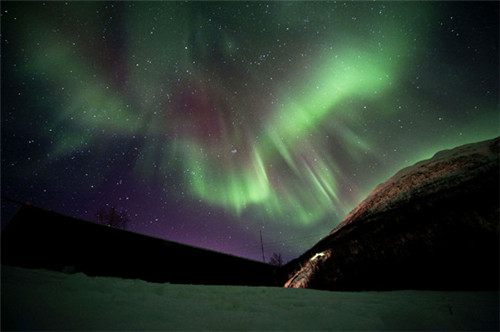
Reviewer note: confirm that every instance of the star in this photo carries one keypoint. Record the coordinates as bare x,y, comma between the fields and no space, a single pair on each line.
196,116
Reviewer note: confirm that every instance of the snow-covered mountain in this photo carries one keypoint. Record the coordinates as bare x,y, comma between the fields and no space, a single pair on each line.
433,225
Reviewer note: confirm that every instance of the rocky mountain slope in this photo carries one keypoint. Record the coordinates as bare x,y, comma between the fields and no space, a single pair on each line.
434,225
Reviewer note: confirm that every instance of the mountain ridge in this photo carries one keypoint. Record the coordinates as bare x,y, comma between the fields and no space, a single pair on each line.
431,211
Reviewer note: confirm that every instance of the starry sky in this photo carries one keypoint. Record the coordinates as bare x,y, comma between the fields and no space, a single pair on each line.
210,123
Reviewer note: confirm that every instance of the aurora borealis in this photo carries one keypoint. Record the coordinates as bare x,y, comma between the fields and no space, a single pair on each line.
209,122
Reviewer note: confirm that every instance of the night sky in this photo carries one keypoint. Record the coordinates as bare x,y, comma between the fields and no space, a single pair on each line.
208,123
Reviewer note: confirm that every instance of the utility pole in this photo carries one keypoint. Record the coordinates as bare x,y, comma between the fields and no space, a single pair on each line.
262,246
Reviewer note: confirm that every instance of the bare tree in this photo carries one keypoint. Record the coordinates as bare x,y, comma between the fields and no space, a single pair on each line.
111,217
276,259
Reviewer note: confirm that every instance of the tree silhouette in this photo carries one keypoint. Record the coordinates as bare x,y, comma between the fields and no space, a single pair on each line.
276,259
111,217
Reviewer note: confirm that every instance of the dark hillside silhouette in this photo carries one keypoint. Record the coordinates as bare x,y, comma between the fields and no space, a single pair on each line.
37,238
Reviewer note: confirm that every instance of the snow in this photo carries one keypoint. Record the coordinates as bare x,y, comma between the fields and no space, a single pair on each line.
48,300
446,169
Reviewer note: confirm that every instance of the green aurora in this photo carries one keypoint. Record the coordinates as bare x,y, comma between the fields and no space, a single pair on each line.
275,110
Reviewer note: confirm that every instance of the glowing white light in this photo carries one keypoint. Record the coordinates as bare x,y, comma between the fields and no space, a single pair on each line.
319,254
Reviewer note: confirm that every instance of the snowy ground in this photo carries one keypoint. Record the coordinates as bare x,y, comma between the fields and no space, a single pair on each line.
46,300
